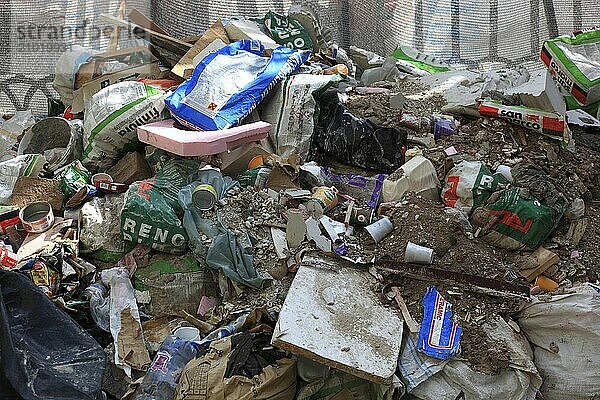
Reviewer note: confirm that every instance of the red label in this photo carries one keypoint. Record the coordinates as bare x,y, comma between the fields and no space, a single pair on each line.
512,220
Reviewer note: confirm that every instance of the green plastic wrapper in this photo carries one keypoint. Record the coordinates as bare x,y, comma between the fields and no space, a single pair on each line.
74,177
417,63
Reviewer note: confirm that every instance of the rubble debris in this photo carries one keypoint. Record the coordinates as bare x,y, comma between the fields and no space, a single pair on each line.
237,257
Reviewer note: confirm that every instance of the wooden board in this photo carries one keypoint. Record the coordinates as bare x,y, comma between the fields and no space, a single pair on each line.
334,317
537,262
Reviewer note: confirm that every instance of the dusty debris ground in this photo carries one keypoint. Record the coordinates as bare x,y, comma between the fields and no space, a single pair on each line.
574,171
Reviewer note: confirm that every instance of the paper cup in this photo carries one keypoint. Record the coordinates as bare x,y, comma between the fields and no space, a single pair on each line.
380,229
187,333
418,254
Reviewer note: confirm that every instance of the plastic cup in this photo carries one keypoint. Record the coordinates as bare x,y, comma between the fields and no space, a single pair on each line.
187,333
380,229
418,254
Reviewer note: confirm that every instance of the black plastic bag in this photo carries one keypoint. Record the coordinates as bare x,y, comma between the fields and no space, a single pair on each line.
355,140
44,354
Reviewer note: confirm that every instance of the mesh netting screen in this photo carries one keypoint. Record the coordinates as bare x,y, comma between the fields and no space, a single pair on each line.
472,33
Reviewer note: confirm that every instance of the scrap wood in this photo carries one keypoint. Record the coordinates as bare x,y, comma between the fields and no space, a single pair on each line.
537,263
410,322
172,44
576,231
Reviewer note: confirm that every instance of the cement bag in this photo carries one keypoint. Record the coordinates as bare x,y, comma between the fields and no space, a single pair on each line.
58,139
417,175
174,283
565,333
519,220
152,214
338,385
574,61
240,367
111,119
101,236
11,129
229,83
291,112
66,68
11,170
470,184
428,378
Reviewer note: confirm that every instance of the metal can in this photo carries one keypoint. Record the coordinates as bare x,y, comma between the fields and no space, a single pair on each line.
362,216
111,187
322,200
101,177
37,217
204,197
257,177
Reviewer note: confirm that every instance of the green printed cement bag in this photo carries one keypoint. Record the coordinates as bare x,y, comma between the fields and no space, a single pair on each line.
286,31
470,184
174,283
574,61
152,214
520,220
111,119
417,63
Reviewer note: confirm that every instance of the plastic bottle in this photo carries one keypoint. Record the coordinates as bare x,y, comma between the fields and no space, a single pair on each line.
163,375
98,297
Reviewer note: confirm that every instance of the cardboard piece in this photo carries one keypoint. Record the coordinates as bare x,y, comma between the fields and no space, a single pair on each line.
35,242
90,79
165,136
131,168
351,331
235,161
29,189
537,263
186,64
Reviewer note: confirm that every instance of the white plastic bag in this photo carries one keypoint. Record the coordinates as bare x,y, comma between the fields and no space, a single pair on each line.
427,378
565,332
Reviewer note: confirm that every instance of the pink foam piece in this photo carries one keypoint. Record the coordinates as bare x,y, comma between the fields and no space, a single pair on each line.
165,136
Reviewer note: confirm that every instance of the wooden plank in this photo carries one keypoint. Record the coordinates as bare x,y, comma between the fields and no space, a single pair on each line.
167,42
140,19
335,318
576,231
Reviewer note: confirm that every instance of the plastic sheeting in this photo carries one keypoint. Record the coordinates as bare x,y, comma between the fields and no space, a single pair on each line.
44,354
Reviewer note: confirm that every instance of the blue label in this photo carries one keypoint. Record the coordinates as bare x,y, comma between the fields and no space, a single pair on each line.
440,335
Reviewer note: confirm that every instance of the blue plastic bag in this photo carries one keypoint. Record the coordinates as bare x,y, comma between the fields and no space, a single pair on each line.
230,82
439,336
